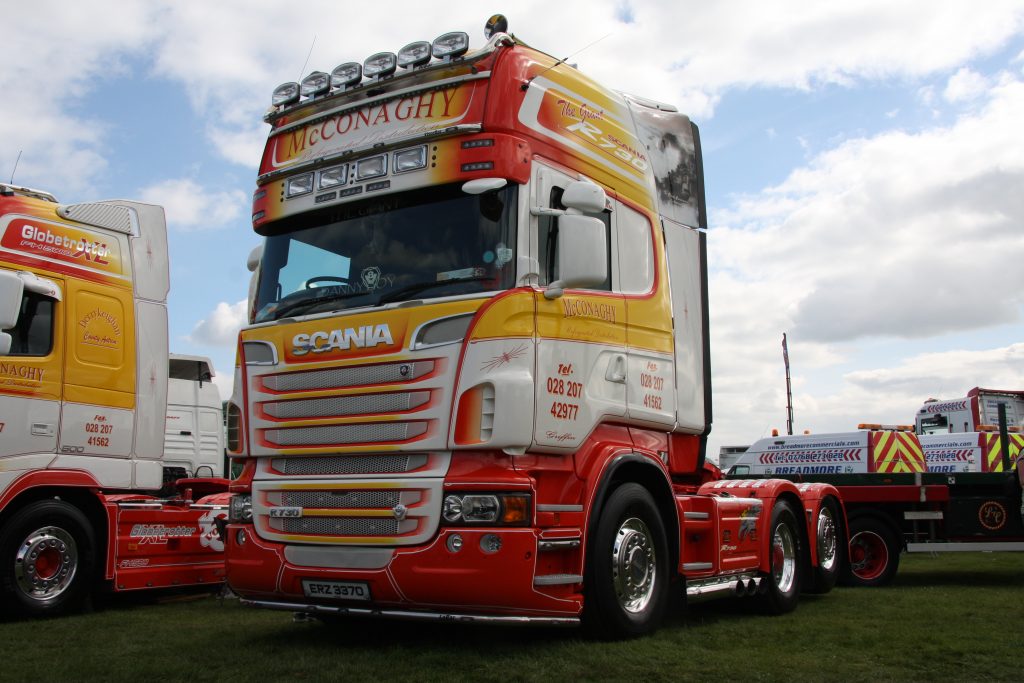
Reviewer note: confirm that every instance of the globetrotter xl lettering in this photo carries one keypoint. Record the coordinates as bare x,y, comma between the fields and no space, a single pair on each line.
90,251
361,337
159,533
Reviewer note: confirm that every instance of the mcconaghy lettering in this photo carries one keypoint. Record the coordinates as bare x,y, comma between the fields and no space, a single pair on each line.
583,308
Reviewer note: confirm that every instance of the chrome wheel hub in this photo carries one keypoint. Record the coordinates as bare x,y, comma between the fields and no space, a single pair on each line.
783,558
45,563
633,565
827,539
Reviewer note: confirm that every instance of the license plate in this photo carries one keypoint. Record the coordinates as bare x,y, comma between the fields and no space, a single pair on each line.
336,590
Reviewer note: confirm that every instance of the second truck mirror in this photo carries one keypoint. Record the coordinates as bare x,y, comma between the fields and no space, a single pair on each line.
582,254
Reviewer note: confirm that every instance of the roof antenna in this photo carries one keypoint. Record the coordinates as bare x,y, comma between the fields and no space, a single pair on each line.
308,55
526,84
15,169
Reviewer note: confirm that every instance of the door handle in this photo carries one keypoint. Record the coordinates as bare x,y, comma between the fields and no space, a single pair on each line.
43,429
616,371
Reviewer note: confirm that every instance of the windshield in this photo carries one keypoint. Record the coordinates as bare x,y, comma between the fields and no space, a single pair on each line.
426,243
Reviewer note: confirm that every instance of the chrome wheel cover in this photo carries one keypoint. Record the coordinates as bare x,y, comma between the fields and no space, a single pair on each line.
45,564
827,539
783,557
634,565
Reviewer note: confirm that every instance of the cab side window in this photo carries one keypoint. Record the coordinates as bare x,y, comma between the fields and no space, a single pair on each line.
33,334
547,234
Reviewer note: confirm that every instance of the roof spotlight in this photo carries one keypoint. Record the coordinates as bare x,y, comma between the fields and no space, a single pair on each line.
380,65
451,45
285,94
346,75
414,54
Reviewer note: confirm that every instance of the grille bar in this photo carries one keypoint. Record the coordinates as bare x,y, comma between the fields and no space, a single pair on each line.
337,378
330,435
349,464
342,406
342,500
347,526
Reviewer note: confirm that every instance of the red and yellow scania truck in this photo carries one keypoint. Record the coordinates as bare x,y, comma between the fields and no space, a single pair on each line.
92,492
475,384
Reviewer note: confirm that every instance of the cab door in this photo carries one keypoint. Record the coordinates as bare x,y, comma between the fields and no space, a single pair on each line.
581,336
30,373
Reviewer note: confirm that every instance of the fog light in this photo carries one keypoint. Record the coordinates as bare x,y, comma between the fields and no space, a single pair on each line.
454,543
490,543
411,159
374,167
334,176
299,185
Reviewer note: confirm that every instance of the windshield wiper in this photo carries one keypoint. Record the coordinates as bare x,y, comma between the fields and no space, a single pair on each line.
306,304
417,287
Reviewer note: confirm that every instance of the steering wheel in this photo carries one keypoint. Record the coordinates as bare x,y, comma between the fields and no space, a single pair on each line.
325,278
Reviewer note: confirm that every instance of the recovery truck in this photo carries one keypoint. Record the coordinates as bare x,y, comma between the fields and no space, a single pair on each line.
904,492
475,381
101,485
979,409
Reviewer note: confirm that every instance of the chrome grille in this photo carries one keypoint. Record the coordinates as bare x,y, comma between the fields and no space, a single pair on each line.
346,526
345,434
384,373
344,500
340,406
350,464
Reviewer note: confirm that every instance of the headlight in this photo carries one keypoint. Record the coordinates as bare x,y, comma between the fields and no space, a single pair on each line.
240,508
299,185
495,509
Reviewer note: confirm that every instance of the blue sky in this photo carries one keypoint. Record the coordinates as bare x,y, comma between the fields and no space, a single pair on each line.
863,165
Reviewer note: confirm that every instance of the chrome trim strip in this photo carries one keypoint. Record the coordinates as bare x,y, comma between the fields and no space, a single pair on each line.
562,544
548,507
557,579
696,515
449,617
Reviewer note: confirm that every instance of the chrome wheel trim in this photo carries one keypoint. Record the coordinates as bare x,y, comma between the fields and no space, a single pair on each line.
45,564
828,539
783,557
634,565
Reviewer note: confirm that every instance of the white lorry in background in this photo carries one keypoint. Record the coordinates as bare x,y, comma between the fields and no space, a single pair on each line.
194,437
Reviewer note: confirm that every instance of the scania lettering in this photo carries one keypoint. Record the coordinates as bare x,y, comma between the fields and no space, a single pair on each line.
475,382
109,446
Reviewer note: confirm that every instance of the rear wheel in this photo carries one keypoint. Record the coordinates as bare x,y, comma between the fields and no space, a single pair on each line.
626,580
874,553
47,554
783,579
831,549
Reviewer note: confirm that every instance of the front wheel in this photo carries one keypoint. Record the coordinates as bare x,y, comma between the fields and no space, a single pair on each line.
783,578
47,553
626,582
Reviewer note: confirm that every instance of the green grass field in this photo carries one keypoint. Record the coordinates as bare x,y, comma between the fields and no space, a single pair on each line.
947,618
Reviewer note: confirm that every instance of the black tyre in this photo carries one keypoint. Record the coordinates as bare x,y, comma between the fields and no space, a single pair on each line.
830,543
785,553
874,553
627,574
47,558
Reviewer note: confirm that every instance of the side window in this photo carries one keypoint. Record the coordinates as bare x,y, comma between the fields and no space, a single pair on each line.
33,335
547,235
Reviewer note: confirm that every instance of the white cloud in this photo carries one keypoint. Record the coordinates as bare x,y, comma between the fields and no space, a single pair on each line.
190,206
965,85
220,327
